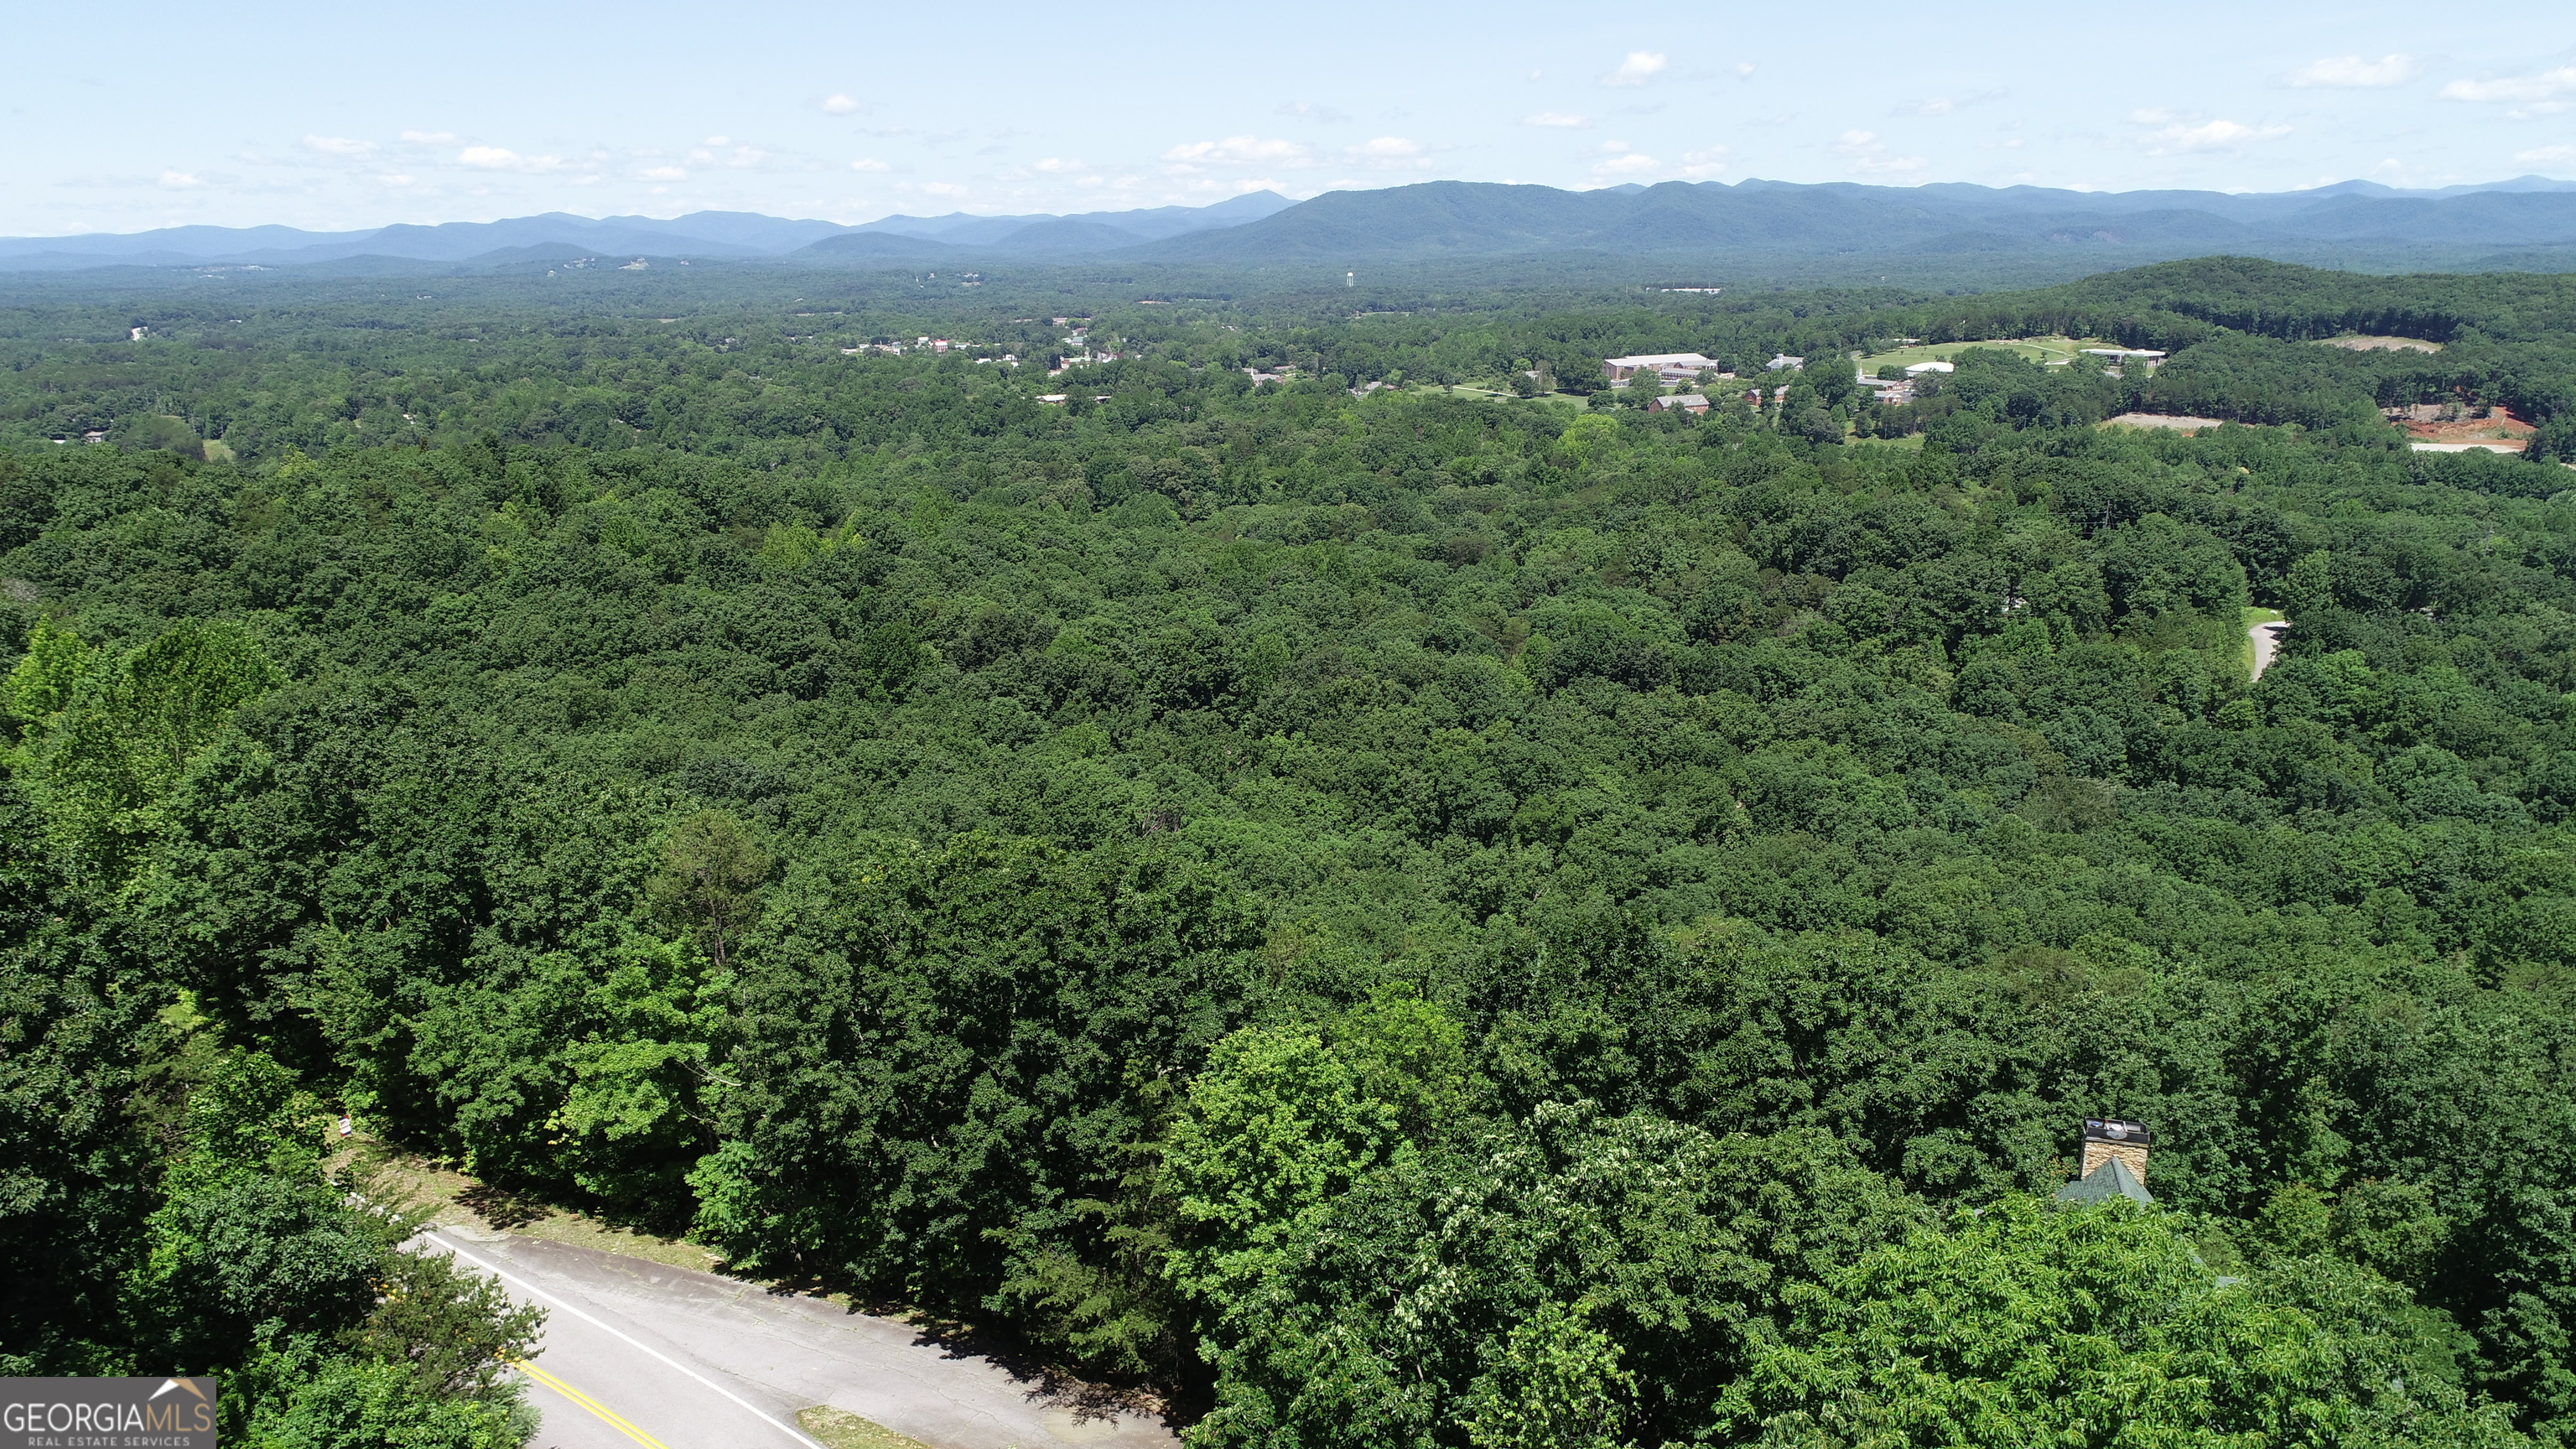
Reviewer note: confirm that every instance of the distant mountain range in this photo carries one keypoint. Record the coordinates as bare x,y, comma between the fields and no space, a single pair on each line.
1466,219
712,235
1455,219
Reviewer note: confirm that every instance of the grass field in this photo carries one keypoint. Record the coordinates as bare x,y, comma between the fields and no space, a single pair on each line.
2036,349
1565,399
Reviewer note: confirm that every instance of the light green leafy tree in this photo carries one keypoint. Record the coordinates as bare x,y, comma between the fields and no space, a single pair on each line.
1558,1386
2033,1324
1275,1130
106,737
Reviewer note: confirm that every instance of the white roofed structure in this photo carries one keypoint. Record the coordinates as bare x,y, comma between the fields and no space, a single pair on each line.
1620,369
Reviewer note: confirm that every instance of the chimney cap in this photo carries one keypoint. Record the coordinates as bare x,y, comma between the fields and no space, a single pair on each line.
2113,1129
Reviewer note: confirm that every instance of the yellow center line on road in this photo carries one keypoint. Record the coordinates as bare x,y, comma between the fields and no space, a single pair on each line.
607,1415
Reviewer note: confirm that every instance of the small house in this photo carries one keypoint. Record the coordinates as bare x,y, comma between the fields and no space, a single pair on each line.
2114,1163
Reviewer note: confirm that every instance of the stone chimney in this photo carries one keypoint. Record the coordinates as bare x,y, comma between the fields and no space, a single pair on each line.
2108,1139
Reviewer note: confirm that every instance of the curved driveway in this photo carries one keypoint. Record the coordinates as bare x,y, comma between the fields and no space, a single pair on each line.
643,1356
2267,640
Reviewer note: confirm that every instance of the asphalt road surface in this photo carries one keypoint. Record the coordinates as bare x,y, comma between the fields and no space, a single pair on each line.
640,1356
2267,642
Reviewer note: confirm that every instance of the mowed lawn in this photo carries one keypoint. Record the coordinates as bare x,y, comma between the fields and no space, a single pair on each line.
2035,349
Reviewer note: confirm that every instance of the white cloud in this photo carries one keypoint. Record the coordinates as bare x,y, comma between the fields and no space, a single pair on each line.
339,145
395,180
2172,137
663,173
842,105
179,181
1057,165
429,138
2353,71
1937,106
2547,154
869,163
1702,164
2535,110
1239,151
2514,88
1637,69
496,158
1390,153
1618,158
1744,68
943,188
717,141
1869,156
1554,118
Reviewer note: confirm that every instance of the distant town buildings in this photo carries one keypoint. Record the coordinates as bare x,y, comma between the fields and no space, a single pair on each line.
1688,402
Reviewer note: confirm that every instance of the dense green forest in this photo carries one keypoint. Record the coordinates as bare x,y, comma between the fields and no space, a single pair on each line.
1391,917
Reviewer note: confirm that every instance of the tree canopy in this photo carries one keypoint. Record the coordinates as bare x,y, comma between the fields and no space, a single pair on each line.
1390,916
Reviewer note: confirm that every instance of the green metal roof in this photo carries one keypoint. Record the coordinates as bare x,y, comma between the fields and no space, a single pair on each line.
2112,1179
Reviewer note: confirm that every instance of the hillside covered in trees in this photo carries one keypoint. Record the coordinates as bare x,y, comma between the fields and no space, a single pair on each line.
1390,917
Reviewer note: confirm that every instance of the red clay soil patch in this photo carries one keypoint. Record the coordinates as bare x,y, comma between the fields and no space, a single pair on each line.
2499,426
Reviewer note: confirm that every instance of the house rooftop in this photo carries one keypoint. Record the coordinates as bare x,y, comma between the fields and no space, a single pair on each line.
2112,1179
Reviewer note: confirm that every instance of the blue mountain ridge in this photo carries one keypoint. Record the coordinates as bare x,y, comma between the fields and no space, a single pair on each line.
707,234
1441,220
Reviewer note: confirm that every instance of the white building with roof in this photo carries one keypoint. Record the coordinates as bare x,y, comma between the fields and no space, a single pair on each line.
1662,364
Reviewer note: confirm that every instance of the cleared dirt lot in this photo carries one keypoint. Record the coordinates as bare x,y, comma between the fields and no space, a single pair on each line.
2359,343
2163,420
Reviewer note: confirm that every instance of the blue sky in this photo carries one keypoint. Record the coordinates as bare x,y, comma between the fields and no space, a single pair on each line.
338,116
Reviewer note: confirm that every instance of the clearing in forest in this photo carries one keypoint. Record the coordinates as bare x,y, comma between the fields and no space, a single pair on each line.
2263,637
2033,349
2183,421
2358,342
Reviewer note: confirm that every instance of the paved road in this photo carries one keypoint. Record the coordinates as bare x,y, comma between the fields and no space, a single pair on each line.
2267,639
638,1354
